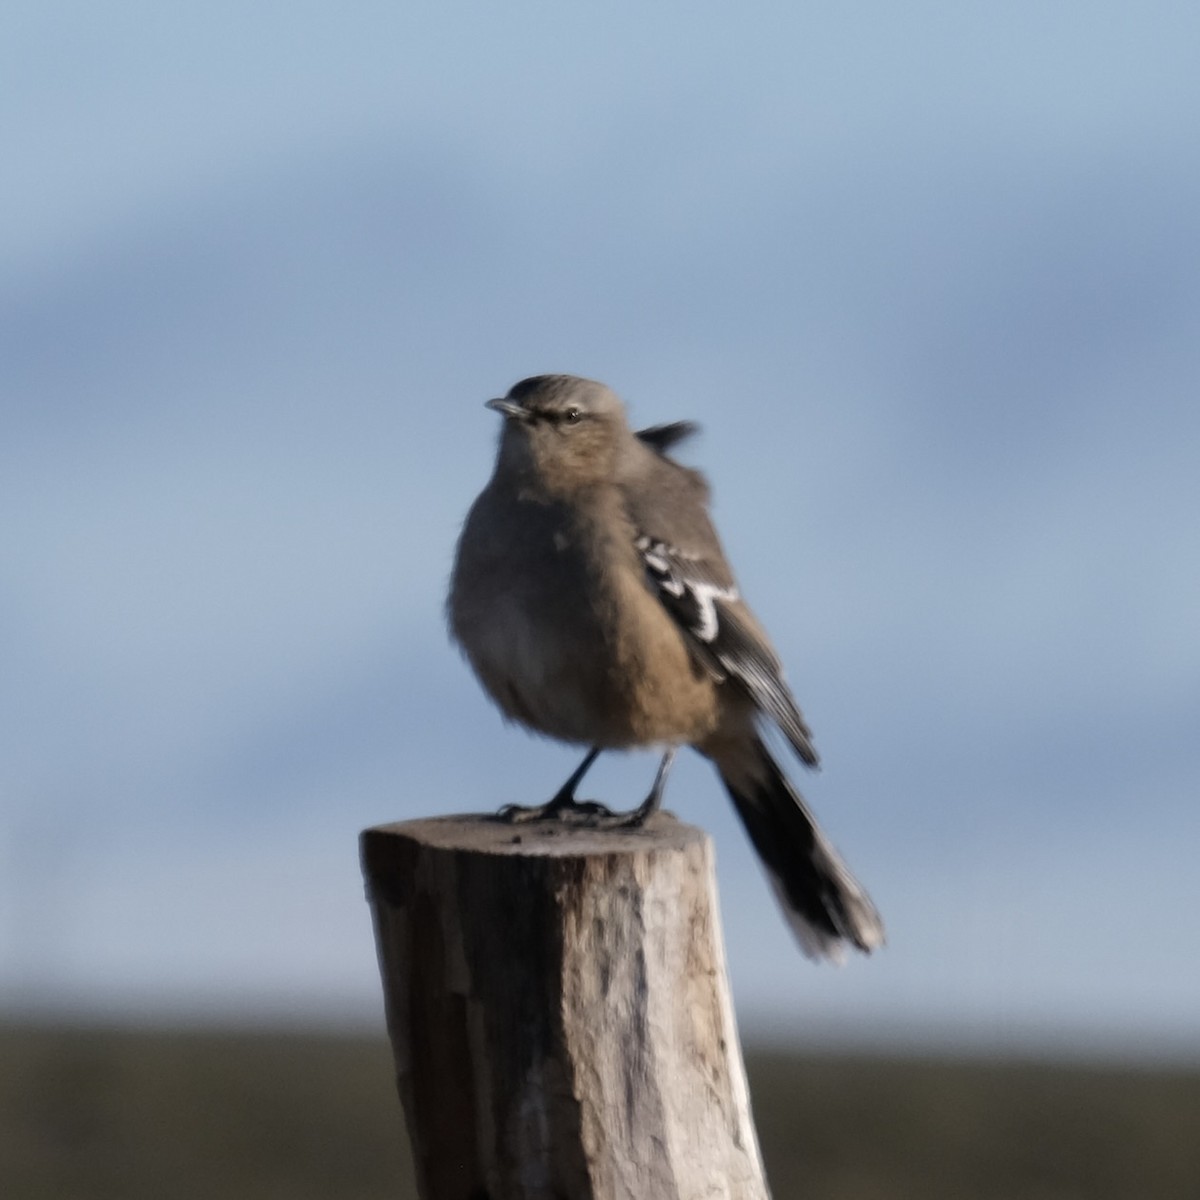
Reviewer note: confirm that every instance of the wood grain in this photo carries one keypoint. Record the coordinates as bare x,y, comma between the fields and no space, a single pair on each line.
559,1011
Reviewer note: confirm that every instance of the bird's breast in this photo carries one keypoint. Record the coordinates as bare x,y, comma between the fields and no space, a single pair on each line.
568,640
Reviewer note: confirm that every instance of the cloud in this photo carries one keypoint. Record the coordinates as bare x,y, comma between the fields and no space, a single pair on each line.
946,372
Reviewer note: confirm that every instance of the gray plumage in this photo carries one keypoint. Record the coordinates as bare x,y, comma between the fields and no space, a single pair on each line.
592,598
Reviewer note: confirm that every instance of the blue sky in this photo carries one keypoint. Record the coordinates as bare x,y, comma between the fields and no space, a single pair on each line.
930,280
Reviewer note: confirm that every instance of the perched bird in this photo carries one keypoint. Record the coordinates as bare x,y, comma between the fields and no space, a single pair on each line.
592,598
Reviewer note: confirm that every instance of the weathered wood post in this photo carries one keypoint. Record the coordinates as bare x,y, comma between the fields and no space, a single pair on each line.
559,1011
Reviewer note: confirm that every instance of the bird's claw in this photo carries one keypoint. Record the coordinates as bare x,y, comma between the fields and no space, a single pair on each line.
580,814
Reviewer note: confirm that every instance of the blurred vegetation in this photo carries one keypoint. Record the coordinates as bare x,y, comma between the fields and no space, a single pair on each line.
108,1115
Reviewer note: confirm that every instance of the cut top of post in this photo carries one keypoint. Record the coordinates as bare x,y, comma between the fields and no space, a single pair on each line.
491,835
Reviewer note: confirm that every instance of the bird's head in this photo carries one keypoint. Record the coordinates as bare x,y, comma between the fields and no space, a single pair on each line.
564,431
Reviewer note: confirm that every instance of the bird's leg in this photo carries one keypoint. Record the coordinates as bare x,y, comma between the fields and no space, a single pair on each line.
637,817
562,804
565,796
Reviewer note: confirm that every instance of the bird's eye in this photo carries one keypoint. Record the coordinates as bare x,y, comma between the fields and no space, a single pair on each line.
573,415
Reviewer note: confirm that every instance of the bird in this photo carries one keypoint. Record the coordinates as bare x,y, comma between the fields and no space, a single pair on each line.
591,597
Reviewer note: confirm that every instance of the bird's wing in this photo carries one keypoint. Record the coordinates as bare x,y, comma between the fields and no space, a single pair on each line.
687,571
662,438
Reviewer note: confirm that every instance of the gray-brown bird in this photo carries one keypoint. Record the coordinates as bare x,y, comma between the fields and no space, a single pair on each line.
592,598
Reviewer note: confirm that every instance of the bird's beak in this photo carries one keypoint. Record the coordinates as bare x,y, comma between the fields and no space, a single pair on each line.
506,408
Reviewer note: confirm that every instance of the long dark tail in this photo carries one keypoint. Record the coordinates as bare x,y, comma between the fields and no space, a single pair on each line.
825,905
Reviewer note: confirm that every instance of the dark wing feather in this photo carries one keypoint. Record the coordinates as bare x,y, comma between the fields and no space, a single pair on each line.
662,438
703,599
743,655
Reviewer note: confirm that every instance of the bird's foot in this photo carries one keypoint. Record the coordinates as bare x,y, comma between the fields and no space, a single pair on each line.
589,814
635,818
578,814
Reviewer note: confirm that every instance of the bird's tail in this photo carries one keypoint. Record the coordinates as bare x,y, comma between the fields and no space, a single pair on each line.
825,905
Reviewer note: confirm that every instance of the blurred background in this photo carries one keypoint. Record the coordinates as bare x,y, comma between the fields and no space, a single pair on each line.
929,277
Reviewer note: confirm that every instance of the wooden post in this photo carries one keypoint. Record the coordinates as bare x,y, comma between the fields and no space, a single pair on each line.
559,1011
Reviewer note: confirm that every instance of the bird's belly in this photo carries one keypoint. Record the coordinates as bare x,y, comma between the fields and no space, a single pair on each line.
614,685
